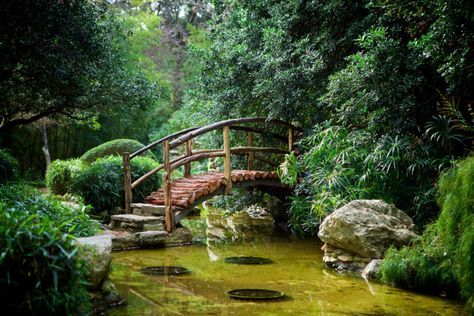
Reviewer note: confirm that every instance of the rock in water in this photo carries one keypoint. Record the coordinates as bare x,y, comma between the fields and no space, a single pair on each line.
372,269
364,229
97,252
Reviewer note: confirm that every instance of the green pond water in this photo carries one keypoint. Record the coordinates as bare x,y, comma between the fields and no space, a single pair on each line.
298,271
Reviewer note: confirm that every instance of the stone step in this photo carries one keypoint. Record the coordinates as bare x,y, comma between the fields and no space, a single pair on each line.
145,209
134,223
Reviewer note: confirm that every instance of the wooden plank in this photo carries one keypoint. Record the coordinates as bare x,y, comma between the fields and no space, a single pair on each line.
227,166
127,178
187,166
250,154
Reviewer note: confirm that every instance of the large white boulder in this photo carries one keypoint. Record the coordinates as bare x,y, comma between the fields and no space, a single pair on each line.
363,230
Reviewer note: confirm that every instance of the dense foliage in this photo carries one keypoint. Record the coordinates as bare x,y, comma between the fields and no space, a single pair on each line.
61,58
40,272
383,89
442,261
9,167
101,183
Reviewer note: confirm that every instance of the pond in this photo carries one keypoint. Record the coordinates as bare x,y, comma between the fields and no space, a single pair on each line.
297,270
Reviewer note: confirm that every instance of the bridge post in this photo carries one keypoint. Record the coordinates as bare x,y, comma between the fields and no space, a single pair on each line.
127,178
227,167
167,186
250,154
290,139
189,152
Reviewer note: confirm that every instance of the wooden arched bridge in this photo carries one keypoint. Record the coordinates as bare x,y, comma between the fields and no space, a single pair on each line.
180,195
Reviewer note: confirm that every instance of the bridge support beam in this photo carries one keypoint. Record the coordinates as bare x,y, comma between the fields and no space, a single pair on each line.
127,178
167,187
227,167
189,152
250,154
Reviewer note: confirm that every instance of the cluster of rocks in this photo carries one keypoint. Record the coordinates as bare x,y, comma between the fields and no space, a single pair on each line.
124,240
96,251
144,228
357,235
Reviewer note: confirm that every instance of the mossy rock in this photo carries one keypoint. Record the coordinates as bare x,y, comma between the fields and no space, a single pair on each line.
114,147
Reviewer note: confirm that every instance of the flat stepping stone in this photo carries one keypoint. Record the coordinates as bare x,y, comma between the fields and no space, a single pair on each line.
134,223
146,209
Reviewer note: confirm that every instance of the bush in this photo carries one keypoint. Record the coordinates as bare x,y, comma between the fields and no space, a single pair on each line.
101,183
61,174
9,167
442,260
40,271
113,147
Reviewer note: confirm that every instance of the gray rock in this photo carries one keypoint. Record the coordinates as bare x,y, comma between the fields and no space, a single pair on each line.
372,269
367,228
152,239
148,209
153,227
97,252
125,241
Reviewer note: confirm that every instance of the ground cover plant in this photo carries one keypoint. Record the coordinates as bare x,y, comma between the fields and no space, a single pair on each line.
441,260
40,271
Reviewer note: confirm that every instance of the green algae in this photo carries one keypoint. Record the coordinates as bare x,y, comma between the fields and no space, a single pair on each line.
298,271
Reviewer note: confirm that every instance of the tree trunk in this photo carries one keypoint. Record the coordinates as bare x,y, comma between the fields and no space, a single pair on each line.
45,148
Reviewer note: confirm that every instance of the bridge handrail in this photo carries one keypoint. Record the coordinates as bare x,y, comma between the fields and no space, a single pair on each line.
205,129
186,136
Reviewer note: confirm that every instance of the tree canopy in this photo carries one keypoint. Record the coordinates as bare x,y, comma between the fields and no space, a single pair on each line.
61,58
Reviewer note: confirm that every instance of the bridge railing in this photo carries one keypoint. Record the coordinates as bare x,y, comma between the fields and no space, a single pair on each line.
185,138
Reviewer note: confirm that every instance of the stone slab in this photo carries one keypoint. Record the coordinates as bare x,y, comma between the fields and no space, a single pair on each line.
132,218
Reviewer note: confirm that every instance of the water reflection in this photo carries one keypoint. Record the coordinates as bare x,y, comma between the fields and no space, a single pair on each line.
297,271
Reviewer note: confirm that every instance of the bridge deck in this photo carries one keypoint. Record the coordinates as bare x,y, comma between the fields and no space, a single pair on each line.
185,191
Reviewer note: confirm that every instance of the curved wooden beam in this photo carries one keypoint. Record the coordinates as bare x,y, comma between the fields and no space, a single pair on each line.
205,129
196,157
161,140
152,172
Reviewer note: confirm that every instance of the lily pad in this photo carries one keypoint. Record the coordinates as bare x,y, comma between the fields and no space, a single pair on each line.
248,260
255,294
165,270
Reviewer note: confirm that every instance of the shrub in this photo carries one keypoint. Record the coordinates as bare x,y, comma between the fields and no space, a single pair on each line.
9,167
442,260
40,272
113,147
61,174
101,183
